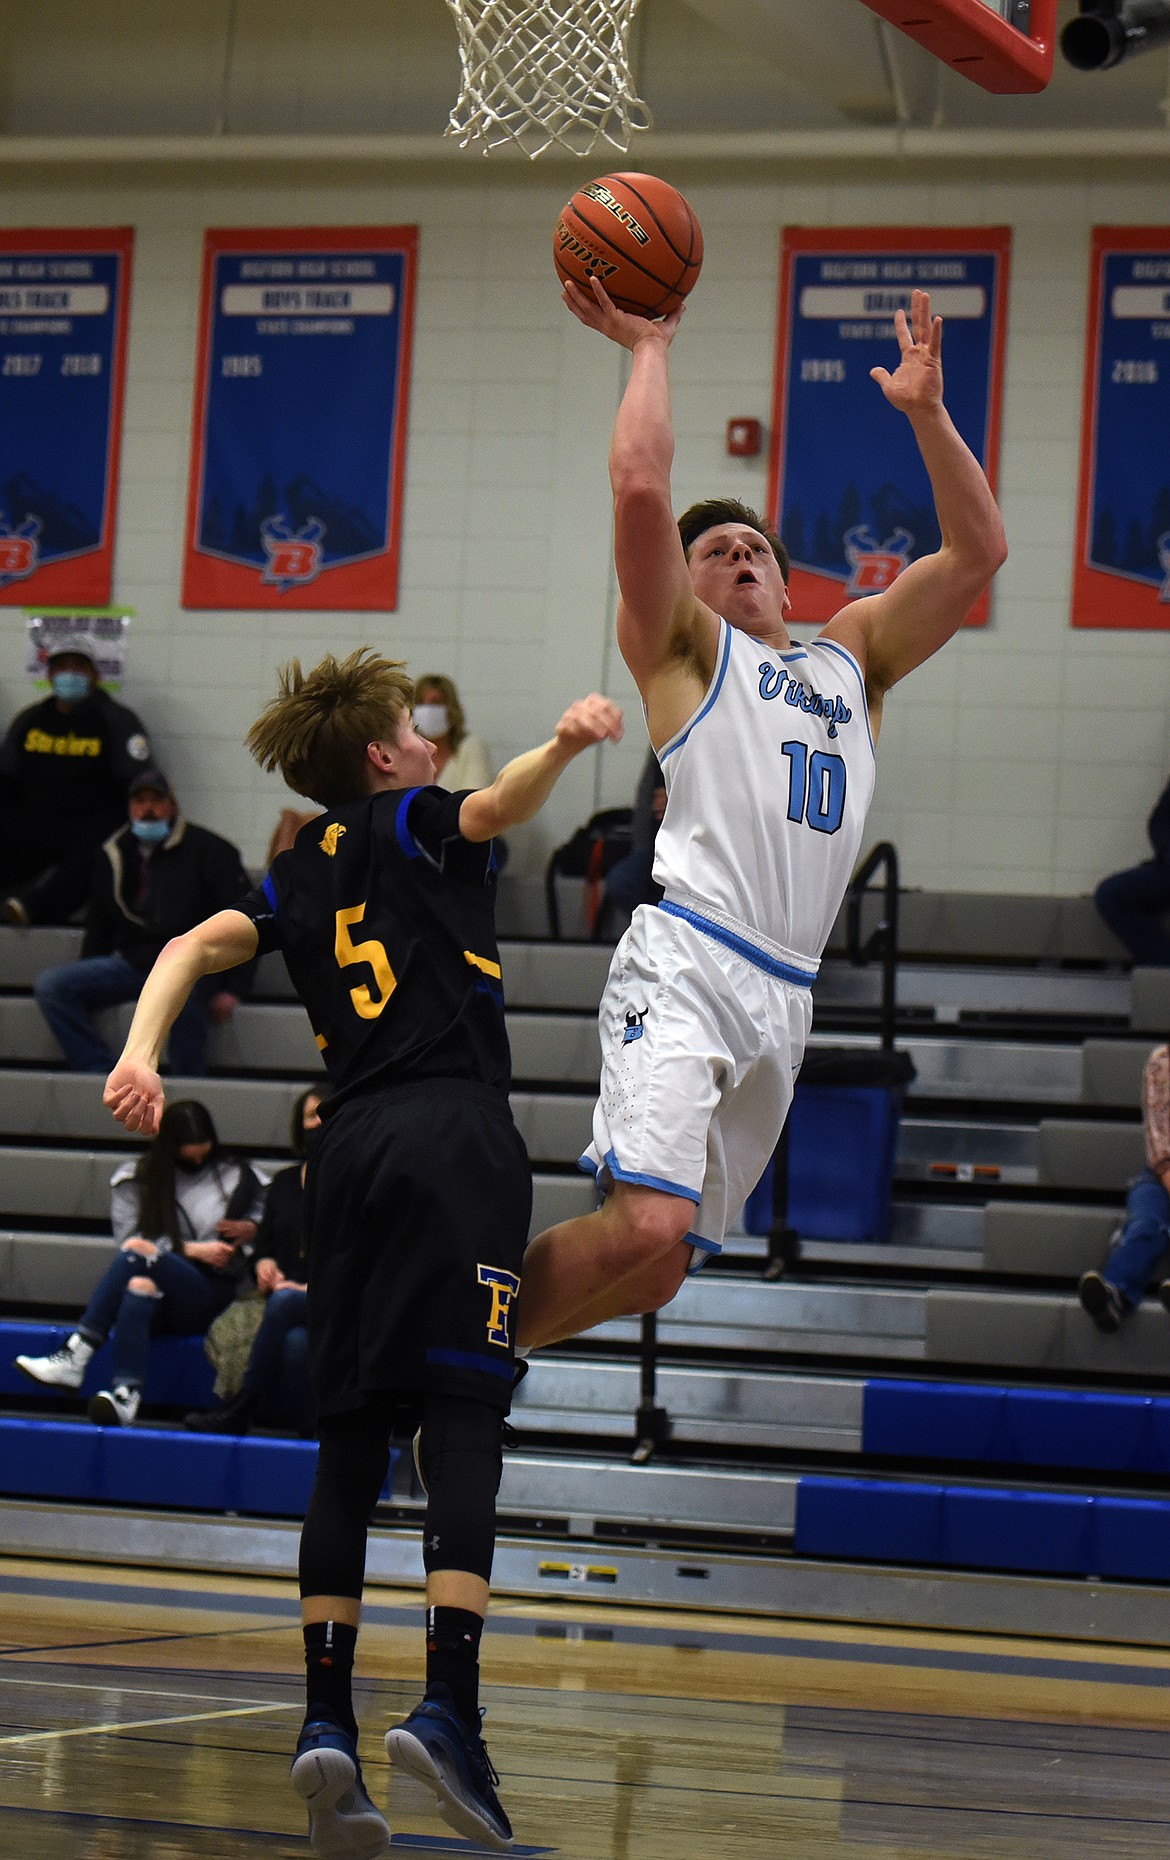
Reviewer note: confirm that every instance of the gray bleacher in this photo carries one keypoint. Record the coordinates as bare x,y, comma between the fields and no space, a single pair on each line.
1052,1117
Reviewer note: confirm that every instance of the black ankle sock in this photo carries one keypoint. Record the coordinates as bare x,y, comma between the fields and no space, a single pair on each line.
329,1651
453,1658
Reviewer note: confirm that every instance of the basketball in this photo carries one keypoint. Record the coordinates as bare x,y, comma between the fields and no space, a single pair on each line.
637,235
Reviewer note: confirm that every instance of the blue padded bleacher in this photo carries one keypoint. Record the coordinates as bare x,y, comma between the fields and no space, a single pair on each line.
179,1375
975,1527
155,1467
1099,1431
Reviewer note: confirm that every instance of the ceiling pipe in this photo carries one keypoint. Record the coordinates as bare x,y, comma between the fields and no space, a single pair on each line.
765,146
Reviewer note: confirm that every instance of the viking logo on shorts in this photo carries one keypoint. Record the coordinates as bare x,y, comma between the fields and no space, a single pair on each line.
293,557
1164,559
503,1287
876,566
634,1028
19,550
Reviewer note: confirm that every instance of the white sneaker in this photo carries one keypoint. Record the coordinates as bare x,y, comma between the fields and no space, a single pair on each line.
64,1369
115,1407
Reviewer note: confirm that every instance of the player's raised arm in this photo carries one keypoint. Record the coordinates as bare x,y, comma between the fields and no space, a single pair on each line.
893,632
659,617
134,1092
523,785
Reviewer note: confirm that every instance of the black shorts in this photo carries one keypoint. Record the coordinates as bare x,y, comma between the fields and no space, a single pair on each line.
417,1206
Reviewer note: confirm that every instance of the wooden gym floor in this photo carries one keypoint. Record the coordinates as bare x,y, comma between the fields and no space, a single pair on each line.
151,1716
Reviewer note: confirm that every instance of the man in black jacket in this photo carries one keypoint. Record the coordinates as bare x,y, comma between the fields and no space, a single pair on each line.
153,879
1134,903
65,768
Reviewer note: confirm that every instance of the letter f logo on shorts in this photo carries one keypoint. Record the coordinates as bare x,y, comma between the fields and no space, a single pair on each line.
503,1287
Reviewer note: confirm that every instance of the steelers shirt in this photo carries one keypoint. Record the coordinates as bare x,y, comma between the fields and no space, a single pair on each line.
385,916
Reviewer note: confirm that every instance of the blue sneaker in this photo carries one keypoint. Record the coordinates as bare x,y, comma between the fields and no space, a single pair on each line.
436,1746
326,1774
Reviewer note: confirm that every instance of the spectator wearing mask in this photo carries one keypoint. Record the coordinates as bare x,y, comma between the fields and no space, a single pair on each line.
461,761
185,1218
65,768
282,1274
156,877
1134,903
1141,1242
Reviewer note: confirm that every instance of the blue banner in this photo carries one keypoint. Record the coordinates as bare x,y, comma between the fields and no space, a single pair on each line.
64,298
849,493
300,429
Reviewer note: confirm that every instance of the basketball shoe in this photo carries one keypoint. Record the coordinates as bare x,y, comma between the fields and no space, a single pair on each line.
116,1407
326,1774
64,1369
434,1745
1103,1302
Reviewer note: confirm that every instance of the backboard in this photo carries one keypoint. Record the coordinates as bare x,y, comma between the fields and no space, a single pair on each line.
1002,45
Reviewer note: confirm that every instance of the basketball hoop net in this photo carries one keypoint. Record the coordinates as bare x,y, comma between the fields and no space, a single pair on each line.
540,72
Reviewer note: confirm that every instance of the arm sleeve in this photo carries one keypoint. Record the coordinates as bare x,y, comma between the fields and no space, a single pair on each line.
1156,1109
262,906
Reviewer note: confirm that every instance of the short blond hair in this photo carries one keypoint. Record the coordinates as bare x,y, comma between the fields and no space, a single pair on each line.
317,730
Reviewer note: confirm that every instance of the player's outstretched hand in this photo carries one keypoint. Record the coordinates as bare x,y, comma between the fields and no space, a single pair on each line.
590,720
917,383
134,1095
596,311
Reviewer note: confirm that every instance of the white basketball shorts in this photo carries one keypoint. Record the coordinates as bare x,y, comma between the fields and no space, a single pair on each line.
700,1048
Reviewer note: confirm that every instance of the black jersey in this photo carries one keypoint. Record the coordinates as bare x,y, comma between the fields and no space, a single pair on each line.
385,915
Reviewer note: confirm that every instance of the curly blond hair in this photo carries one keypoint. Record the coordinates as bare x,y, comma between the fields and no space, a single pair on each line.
316,731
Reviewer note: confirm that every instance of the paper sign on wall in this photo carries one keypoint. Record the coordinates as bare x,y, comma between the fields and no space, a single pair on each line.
64,305
299,435
848,491
1122,572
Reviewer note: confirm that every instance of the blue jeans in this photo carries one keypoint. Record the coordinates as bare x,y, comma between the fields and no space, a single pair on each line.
69,995
1145,1236
286,1310
191,1299
1134,904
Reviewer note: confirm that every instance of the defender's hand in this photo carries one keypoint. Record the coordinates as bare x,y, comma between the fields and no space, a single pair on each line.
590,720
596,311
135,1097
917,383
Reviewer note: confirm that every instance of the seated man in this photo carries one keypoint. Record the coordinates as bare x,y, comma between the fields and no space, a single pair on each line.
65,767
1141,1242
156,877
1134,903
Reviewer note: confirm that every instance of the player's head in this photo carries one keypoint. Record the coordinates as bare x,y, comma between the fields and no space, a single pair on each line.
343,729
739,567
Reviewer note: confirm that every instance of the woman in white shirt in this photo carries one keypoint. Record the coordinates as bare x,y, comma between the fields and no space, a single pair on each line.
184,1215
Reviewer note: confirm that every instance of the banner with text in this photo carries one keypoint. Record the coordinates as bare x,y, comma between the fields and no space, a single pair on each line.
1122,572
848,491
64,307
299,436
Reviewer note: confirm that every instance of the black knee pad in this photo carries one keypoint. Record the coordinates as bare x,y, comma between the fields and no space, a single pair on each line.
461,1452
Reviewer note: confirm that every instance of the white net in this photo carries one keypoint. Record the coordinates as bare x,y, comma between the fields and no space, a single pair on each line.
540,74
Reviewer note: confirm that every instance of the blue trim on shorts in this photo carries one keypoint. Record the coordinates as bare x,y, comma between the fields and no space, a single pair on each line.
700,714
710,1249
406,839
468,1359
269,890
649,1181
831,645
784,972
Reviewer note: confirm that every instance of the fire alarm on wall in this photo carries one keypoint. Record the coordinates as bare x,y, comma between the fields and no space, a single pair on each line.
745,439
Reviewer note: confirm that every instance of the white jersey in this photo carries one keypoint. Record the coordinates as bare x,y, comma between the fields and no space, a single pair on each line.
768,785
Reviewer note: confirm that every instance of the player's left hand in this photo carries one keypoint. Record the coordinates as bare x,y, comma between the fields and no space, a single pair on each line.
134,1095
917,383
592,719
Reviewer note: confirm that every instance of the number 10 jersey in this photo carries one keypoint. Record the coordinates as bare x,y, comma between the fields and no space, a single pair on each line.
768,785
